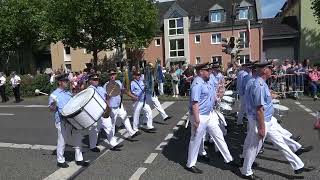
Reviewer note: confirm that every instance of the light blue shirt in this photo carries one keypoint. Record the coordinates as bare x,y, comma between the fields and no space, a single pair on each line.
202,92
62,98
100,90
214,81
115,102
249,105
220,76
137,89
260,96
240,77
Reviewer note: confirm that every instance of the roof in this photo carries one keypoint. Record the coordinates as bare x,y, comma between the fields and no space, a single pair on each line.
278,27
201,9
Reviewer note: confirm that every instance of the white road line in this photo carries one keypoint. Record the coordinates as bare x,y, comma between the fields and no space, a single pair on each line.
180,123
151,158
66,173
6,114
160,146
169,136
314,114
297,102
184,117
28,146
138,173
306,109
24,106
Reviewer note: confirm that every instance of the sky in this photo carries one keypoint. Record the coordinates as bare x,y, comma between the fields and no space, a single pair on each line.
269,7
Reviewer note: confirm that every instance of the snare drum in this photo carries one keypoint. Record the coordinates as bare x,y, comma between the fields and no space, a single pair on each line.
275,101
225,108
228,99
228,93
84,109
280,107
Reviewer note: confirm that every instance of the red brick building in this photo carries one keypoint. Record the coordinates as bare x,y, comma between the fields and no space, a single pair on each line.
192,31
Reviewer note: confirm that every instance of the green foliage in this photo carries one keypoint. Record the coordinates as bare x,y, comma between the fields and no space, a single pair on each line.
101,25
316,9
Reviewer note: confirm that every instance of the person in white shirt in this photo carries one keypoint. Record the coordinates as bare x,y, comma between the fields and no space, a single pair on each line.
15,82
3,87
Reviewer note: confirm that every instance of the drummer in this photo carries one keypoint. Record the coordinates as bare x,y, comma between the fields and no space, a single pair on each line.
117,109
104,123
57,100
260,115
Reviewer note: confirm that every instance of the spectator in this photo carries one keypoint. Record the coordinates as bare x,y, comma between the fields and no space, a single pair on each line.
187,77
175,83
314,76
3,87
15,82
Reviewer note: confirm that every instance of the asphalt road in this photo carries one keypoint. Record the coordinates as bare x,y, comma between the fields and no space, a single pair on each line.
147,156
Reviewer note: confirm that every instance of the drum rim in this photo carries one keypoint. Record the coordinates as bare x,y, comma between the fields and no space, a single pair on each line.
278,105
226,98
78,111
230,108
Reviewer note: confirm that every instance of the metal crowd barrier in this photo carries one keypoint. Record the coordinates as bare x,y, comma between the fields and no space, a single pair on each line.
287,84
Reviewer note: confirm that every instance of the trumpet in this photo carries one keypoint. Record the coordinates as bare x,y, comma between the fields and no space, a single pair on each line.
37,92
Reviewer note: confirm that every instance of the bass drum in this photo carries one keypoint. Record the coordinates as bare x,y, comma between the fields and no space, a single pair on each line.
84,109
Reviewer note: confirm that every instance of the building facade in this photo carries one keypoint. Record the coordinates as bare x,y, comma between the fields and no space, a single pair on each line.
192,31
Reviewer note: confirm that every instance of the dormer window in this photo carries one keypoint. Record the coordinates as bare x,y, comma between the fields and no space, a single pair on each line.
216,16
244,13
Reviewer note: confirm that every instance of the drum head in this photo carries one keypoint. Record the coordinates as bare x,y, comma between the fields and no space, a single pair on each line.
280,107
275,101
113,89
77,102
228,99
228,93
225,106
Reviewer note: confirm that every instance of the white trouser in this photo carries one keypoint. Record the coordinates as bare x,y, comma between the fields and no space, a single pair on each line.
293,145
120,112
106,125
175,89
64,133
160,88
155,101
242,110
208,123
255,144
138,105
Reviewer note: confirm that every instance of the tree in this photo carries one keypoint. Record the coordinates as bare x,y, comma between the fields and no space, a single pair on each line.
99,25
316,9
21,23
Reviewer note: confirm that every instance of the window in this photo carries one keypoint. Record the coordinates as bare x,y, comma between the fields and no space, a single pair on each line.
197,38
243,13
216,16
244,37
67,49
216,59
244,59
157,42
176,26
198,60
216,38
177,48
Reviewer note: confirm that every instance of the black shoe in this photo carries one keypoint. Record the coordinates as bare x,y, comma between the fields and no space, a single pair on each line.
167,118
254,164
117,147
233,164
63,165
297,138
304,169
153,130
303,150
136,134
204,158
194,169
82,163
252,177
96,149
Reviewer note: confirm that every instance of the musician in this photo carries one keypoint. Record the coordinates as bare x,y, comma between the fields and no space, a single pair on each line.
260,110
151,95
15,82
240,75
57,100
116,105
3,88
138,90
104,123
203,119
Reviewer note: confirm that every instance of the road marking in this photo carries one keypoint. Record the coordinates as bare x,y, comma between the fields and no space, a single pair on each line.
28,146
306,109
6,114
69,173
24,106
138,173
151,158
169,136
180,123
185,117
160,146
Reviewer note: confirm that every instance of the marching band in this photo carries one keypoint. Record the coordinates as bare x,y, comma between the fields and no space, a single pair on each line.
207,93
